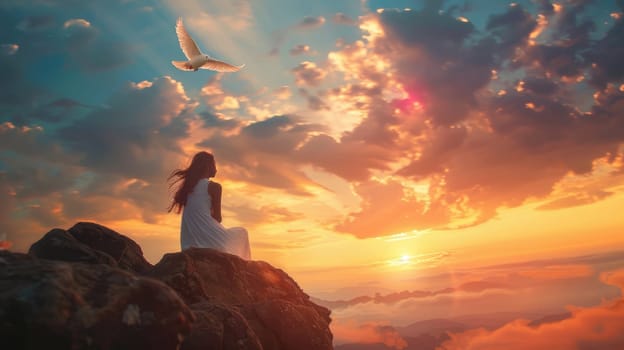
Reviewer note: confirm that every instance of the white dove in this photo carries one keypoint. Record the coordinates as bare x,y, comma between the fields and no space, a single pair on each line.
196,59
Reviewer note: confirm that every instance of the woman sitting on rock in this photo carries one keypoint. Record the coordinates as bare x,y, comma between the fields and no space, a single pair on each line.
199,200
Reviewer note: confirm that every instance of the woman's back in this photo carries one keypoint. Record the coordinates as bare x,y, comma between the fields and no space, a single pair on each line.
199,229
198,202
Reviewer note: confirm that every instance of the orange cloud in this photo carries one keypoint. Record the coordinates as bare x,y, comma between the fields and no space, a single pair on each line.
307,73
557,272
370,333
598,327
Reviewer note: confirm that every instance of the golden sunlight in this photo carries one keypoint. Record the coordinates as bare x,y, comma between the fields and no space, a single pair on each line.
402,261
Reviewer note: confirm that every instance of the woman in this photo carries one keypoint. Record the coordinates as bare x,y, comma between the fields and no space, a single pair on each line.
199,199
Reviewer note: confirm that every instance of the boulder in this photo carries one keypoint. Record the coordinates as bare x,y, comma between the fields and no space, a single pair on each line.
221,326
61,245
92,243
126,252
279,312
48,304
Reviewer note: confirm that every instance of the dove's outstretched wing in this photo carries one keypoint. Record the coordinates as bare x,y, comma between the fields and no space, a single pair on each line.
187,44
220,66
181,65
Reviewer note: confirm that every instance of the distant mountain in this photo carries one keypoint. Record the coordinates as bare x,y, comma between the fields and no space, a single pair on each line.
358,346
422,342
377,298
429,334
391,298
494,320
550,319
434,327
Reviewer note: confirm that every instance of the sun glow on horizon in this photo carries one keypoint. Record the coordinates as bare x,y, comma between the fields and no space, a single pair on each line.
402,261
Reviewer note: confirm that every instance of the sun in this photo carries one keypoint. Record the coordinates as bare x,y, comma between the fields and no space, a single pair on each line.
402,260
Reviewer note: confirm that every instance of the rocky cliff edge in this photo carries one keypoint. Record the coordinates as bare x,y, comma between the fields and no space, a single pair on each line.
90,287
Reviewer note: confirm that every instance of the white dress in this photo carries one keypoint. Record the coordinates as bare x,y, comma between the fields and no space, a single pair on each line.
199,229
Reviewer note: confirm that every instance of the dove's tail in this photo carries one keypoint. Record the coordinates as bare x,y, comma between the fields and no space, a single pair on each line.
182,65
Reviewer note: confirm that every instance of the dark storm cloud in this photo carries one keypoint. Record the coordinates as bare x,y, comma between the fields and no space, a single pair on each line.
257,154
608,55
541,86
34,171
216,121
24,103
438,34
79,33
135,136
65,103
50,36
466,7
522,135
435,60
441,147
309,22
58,28
536,141
326,153
341,18
377,128
607,123
111,164
568,53
15,90
545,6
33,23
93,51
511,28
39,166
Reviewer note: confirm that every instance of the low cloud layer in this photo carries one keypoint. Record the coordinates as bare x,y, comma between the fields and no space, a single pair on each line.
597,327
533,304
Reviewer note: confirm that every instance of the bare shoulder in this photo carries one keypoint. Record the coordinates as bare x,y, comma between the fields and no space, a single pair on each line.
214,186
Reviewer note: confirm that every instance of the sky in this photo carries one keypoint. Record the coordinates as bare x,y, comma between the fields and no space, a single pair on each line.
469,154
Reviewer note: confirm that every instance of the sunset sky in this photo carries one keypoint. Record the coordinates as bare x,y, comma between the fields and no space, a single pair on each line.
369,147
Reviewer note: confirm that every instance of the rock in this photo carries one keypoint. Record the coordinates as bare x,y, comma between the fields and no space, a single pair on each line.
223,327
92,243
48,304
125,251
279,312
59,244
90,287
281,324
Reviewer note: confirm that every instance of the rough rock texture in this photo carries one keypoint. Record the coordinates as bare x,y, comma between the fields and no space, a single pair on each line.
222,327
56,305
61,245
279,312
92,243
91,288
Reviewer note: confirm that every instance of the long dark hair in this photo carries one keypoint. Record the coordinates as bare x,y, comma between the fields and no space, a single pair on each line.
202,165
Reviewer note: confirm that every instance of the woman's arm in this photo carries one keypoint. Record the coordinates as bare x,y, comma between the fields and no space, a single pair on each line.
214,190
